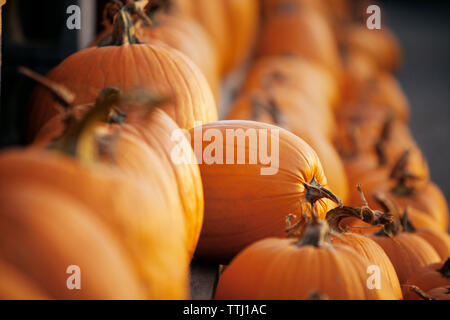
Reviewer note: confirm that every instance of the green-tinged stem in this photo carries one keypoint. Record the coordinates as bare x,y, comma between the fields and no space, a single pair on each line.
79,139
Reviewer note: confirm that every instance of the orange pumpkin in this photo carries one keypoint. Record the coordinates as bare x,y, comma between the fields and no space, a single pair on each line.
429,277
281,30
380,45
242,20
17,286
335,11
428,198
128,67
136,215
260,107
247,200
363,245
142,149
292,269
44,231
232,24
408,252
185,35
294,72
136,212
161,21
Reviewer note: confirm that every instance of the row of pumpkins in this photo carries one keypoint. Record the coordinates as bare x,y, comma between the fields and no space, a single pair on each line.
97,187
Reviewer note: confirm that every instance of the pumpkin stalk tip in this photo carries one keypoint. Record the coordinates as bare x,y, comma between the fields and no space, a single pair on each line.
314,233
421,293
403,177
62,93
315,192
445,270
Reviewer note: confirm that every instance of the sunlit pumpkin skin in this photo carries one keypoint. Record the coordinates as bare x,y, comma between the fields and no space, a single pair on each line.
245,109
212,16
181,33
137,215
286,269
130,67
242,20
293,71
43,232
380,45
17,286
179,182
438,239
429,277
408,253
370,250
157,132
185,35
293,105
232,24
241,204
281,30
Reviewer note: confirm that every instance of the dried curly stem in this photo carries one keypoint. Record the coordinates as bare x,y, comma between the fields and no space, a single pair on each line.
421,293
335,217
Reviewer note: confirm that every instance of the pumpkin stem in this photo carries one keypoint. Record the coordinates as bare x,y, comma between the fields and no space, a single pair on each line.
421,293
294,230
110,11
269,106
79,138
336,216
315,295
402,176
380,145
352,133
445,270
400,223
314,233
274,77
151,8
124,31
64,96
314,192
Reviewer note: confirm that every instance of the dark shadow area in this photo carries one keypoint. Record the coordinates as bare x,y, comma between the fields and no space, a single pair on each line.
423,28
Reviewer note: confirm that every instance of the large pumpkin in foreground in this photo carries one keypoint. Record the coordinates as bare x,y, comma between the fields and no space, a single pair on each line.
293,269
252,182
135,214
43,232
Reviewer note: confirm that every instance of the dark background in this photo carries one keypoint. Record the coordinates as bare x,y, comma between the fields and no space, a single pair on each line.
423,28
